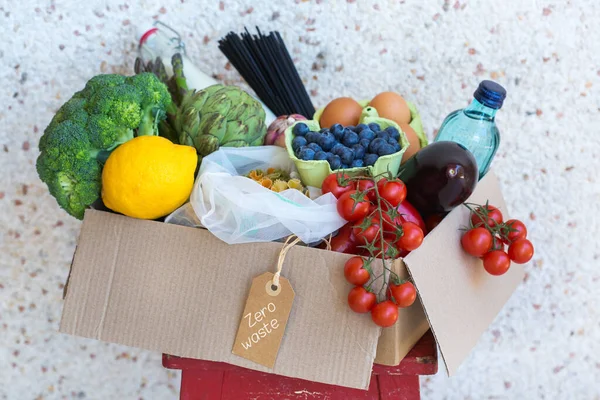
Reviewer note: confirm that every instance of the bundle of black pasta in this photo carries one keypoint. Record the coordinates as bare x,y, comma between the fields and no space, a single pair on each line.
265,63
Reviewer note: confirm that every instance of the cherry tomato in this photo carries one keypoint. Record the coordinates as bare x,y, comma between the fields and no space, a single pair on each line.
496,262
360,300
405,294
412,237
497,244
366,230
517,230
344,241
331,185
408,213
355,272
385,314
388,251
494,216
520,251
366,185
392,191
477,241
352,206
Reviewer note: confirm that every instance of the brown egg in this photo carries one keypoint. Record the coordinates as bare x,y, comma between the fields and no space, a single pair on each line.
392,106
413,140
343,110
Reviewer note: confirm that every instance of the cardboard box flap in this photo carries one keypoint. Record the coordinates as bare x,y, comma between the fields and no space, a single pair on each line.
460,299
181,291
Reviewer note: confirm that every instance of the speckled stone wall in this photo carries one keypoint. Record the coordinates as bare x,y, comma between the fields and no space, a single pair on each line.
546,341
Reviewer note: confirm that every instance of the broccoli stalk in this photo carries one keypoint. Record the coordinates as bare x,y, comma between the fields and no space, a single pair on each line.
109,111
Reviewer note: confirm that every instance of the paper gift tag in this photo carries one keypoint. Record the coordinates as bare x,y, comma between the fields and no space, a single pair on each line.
264,320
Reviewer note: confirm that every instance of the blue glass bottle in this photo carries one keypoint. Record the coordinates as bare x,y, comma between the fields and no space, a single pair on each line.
474,127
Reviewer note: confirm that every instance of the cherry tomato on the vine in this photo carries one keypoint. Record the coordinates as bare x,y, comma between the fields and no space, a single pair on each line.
332,185
516,230
520,251
477,241
392,191
360,300
366,185
496,262
494,216
405,294
408,213
366,230
353,206
389,251
385,314
354,271
497,244
412,237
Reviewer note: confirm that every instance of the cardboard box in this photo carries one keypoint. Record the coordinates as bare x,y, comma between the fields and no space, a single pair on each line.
181,291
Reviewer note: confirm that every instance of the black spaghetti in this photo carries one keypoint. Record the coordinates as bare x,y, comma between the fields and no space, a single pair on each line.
265,63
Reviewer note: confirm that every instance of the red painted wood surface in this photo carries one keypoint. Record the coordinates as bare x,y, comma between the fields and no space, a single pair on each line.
209,380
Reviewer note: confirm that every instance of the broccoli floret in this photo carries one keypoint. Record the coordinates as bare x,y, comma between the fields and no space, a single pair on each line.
109,111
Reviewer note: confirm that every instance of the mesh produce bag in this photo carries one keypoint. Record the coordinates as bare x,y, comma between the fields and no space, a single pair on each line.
236,209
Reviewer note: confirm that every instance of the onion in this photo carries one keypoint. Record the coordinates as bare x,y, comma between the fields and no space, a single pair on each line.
276,131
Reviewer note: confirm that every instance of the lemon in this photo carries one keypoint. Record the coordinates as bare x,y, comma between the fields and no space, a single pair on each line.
148,177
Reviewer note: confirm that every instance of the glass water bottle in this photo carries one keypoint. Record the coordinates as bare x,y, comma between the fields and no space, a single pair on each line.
475,127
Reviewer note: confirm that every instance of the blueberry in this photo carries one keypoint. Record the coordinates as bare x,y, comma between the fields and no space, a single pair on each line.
326,141
366,134
344,166
306,153
393,132
323,130
357,163
334,161
359,128
392,141
312,137
370,158
350,138
383,135
396,147
385,149
314,147
337,148
346,155
376,144
374,127
364,143
298,142
300,129
321,155
351,127
359,151
337,130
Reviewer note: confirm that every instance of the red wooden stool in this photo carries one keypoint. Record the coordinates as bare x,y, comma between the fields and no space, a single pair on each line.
208,380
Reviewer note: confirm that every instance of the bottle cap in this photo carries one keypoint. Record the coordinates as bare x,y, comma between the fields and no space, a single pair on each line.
491,94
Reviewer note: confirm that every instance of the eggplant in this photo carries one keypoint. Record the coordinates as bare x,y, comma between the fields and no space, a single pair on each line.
439,177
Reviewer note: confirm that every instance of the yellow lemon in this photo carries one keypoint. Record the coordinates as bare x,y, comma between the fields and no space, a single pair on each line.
148,177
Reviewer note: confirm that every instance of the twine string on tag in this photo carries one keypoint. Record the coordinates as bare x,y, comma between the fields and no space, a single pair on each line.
328,242
289,243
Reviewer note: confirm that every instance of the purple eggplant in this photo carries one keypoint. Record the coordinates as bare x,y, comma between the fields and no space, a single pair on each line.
439,177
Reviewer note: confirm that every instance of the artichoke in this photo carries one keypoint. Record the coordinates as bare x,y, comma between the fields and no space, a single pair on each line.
220,116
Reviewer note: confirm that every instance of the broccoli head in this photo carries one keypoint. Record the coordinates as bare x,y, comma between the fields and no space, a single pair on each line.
109,111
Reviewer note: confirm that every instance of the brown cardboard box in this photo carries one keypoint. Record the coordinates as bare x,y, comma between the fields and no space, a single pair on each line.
181,291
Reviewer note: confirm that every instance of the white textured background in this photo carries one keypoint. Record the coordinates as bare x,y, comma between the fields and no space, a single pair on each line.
545,343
